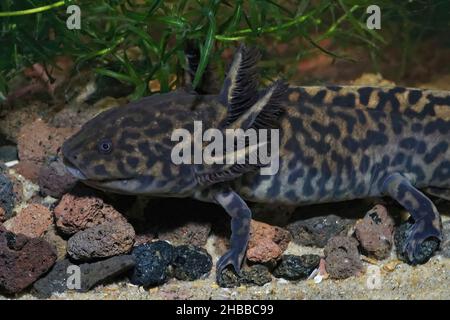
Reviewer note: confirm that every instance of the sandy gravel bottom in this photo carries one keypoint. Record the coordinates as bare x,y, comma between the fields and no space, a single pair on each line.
396,281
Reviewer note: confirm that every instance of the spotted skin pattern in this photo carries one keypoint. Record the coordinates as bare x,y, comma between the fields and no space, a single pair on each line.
334,150
336,143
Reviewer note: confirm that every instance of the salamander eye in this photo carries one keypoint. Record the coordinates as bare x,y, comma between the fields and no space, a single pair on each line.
105,146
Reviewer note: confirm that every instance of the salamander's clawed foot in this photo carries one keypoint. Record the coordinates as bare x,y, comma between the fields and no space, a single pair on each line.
231,257
422,240
415,242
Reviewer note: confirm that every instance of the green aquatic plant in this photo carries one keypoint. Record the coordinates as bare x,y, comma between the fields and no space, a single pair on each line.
33,31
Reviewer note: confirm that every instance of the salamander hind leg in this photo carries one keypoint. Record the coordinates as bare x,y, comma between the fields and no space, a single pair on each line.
240,229
427,221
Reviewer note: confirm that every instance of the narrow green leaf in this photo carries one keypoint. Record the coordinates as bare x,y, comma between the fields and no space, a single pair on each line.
154,7
205,50
116,75
145,37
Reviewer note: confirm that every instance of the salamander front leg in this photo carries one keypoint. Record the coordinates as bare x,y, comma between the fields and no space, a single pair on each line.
240,229
427,222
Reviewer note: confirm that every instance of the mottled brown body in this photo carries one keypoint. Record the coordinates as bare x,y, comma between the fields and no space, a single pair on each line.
340,143
336,143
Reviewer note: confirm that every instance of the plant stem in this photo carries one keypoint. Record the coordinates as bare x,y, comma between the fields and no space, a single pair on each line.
32,11
240,34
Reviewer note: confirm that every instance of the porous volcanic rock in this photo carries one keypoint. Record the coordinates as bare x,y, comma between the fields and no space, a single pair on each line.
22,260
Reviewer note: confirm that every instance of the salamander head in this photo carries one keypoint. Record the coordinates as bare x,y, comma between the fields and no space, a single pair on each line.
128,149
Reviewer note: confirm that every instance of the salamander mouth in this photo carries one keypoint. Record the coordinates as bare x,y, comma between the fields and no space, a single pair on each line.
77,173
74,171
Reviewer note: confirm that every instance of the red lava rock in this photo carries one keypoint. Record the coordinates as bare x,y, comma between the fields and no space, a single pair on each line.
32,221
36,142
76,212
54,180
22,260
194,233
342,257
375,232
28,169
267,243
102,241
13,117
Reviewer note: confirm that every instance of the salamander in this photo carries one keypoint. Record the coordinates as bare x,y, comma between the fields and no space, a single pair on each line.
336,143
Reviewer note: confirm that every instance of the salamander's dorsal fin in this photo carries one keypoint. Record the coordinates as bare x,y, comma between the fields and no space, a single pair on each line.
240,87
265,111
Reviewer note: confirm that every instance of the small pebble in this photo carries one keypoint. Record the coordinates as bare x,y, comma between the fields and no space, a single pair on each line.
152,263
191,262
293,267
427,248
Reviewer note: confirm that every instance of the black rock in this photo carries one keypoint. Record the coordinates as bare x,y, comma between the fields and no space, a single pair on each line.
60,278
152,263
256,274
93,274
191,262
228,279
8,153
293,267
55,281
316,231
427,248
7,197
